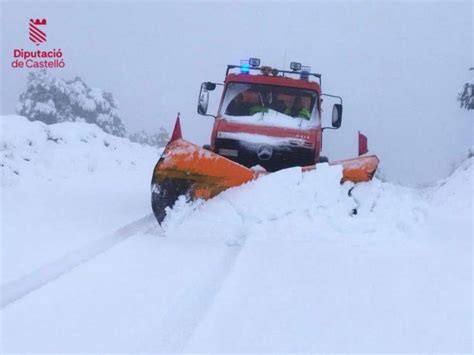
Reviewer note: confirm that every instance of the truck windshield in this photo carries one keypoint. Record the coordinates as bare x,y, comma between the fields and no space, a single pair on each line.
255,99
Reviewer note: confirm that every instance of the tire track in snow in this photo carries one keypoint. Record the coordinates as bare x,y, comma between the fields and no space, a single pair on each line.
14,290
187,312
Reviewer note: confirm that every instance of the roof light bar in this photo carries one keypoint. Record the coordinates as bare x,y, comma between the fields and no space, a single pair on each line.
246,65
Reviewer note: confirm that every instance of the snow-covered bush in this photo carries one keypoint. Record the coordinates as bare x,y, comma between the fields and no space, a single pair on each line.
156,140
52,100
466,95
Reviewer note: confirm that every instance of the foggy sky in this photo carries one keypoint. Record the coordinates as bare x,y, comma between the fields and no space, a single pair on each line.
398,65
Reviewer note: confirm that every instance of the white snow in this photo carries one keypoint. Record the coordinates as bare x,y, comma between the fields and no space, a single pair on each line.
280,264
64,185
274,118
46,108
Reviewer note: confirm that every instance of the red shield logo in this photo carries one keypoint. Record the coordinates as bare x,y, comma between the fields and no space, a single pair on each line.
36,34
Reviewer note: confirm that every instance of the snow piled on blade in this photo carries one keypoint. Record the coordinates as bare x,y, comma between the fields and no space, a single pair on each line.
293,205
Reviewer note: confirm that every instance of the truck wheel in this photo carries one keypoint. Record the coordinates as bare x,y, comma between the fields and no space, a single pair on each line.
166,193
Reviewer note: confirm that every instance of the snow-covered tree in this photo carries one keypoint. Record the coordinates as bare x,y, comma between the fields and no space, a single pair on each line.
54,100
155,139
466,95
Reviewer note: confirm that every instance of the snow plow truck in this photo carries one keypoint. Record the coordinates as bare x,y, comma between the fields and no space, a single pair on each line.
268,119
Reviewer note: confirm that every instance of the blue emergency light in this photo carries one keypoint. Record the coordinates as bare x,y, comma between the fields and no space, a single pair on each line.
244,66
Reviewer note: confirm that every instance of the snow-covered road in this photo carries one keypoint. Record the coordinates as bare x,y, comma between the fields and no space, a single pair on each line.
281,264
159,294
16,289
145,295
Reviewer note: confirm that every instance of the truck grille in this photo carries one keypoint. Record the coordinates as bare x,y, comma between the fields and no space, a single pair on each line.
283,157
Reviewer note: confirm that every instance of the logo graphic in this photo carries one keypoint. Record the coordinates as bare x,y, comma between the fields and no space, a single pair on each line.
264,152
37,59
37,36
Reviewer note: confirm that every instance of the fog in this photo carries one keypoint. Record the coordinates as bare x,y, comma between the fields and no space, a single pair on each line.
398,66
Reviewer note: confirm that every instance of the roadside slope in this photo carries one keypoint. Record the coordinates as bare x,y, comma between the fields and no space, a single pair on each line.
63,186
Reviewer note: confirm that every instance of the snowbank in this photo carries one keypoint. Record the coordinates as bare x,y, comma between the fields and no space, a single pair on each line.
36,151
65,185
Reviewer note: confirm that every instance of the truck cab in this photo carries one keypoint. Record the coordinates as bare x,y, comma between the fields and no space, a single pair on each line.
268,117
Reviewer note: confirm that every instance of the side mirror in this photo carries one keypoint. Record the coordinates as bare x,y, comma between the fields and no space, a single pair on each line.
209,86
203,100
336,115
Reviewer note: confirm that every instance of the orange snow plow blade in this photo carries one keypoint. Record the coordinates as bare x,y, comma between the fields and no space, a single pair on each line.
356,170
187,169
